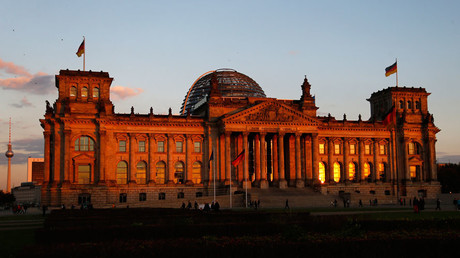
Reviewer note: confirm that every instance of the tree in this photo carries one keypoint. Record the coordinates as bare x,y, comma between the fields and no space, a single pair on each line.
449,177
6,198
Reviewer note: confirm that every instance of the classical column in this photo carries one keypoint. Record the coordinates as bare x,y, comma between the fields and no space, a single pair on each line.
360,170
330,166
170,166
151,177
239,169
307,159
102,156
47,157
433,176
375,168
57,156
257,158
188,158
282,180
346,165
292,160
246,179
406,159
132,165
299,183
275,171
315,159
263,161
228,161
68,163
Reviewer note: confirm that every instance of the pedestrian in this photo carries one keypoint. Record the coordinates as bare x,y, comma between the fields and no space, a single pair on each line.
416,203
348,203
182,206
360,203
44,208
189,205
196,205
438,204
287,205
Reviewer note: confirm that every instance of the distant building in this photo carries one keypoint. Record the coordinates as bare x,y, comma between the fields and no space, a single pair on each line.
93,154
35,170
27,193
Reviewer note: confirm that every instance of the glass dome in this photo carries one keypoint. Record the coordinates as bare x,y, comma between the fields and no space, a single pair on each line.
230,83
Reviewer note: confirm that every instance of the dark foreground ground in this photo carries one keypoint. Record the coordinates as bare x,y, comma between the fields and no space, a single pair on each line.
243,233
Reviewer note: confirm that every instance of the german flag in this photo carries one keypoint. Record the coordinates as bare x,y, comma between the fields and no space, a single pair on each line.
238,159
390,116
81,49
391,69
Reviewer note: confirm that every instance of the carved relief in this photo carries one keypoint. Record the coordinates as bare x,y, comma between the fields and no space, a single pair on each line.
270,113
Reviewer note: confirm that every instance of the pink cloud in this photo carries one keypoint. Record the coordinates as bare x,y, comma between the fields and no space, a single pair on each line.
23,103
39,83
121,92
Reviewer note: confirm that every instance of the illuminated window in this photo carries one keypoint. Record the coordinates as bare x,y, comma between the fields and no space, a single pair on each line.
84,174
197,147
123,197
351,171
84,92
122,173
141,146
142,197
382,149
336,148
382,171
122,146
413,148
413,172
367,170
95,92
73,91
84,143
321,148
336,172
179,146
322,172
161,146
196,173
179,173
367,149
160,172
141,173
352,149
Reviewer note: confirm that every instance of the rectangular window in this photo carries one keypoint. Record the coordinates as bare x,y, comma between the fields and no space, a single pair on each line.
382,150
178,146
413,172
122,146
352,149
367,149
411,148
123,197
141,146
321,148
336,148
84,174
162,196
161,146
142,197
197,146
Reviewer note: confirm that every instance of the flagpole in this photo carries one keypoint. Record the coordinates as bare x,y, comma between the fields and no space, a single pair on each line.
214,178
396,72
84,52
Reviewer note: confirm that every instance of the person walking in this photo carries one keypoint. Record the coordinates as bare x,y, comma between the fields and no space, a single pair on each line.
286,207
438,204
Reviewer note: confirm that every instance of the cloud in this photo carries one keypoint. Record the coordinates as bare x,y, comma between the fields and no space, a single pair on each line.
23,103
441,158
293,52
39,83
121,92
24,148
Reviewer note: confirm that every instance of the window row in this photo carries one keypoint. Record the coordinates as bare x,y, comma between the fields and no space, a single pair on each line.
123,197
337,171
84,92
353,149
160,146
409,104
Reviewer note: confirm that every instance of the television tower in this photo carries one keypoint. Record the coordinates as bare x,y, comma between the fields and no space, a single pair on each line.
9,154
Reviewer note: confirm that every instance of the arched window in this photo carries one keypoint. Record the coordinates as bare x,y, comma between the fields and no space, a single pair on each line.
122,173
351,171
84,92
95,92
84,174
366,170
336,172
73,91
322,172
161,172
196,173
84,143
401,104
409,104
417,105
141,173
179,173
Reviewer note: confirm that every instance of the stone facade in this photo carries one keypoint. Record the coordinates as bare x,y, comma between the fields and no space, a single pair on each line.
93,154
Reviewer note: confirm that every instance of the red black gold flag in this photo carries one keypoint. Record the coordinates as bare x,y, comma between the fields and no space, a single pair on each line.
390,116
391,69
238,159
81,49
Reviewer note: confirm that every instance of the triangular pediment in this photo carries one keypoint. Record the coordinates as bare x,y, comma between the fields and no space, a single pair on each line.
415,159
270,112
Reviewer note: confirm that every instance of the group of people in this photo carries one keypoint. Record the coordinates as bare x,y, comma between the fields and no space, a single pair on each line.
254,204
20,209
215,206
418,204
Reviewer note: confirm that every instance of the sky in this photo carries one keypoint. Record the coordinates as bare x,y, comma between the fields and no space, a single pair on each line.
155,50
